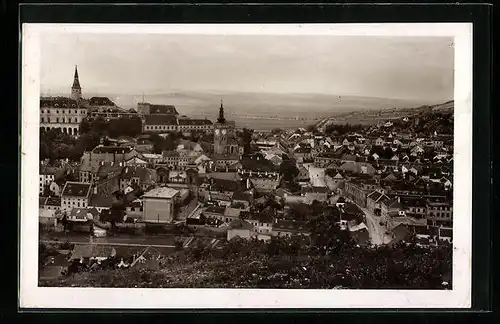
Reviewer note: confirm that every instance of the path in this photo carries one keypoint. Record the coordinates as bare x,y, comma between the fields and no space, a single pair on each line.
316,175
376,231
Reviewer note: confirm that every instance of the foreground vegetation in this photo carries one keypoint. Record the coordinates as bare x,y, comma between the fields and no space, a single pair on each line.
284,263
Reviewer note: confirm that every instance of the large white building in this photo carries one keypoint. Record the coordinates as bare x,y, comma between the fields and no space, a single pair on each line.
63,113
75,195
159,204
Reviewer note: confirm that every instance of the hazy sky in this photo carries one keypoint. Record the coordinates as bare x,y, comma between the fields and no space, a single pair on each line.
388,67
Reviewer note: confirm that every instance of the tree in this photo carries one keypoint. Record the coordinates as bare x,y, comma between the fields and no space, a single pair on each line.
288,170
247,139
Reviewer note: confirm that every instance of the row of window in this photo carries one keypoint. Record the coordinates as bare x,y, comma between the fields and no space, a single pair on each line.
441,208
63,120
169,127
440,214
82,112
74,203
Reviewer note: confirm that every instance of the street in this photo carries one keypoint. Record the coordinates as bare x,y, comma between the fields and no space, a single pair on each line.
74,238
376,231
316,175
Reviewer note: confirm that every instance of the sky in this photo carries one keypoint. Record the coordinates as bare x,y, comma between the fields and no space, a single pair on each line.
373,66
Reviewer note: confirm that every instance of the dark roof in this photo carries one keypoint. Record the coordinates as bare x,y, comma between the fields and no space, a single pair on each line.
112,149
261,165
314,189
304,150
215,210
108,170
240,195
101,201
195,122
160,120
290,226
41,201
58,102
225,184
446,232
53,201
76,189
48,170
240,224
101,101
144,141
80,213
163,109
132,171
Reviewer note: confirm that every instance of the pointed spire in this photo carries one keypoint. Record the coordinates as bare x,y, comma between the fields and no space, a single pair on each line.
76,81
221,118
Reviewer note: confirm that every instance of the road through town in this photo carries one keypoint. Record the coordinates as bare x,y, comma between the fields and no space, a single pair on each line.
376,231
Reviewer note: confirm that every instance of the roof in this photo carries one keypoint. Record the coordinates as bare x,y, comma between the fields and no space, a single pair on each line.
170,154
161,192
163,109
257,165
240,224
53,201
92,250
101,201
135,171
358,227
313,189
160,120
215,210
58,102
80,213
290,226
101,101
244,196
195,122
41,201
76,189
112,149
232,212
47,170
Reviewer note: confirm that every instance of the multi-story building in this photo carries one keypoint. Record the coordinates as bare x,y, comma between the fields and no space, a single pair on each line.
159,204
145,108
159,123
358,190
104,107
440,213
189,125
75,195
61,113
47,176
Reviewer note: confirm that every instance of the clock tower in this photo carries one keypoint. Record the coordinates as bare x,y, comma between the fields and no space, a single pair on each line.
222,130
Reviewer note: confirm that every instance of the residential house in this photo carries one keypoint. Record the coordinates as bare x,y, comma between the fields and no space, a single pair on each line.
52,203
75,195
334,180
360,234
289,228
312,193
137,176
440,213
357,189
389,209
159,205
47,176
374,201
240,228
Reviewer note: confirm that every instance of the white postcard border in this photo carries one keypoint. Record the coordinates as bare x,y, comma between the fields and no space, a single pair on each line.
32,296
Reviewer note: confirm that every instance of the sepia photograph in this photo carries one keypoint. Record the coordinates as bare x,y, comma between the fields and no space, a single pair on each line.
275,161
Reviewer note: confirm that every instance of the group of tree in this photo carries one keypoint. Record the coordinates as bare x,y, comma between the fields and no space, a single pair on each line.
123,126
342,129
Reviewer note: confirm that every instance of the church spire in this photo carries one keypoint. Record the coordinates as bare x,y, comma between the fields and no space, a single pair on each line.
76,90
76,81
221,118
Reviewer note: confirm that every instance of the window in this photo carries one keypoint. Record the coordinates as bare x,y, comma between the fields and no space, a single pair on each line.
78,204
57,119
132,209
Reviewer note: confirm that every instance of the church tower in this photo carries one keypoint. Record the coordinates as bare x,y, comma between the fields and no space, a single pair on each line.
76,90
221,129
